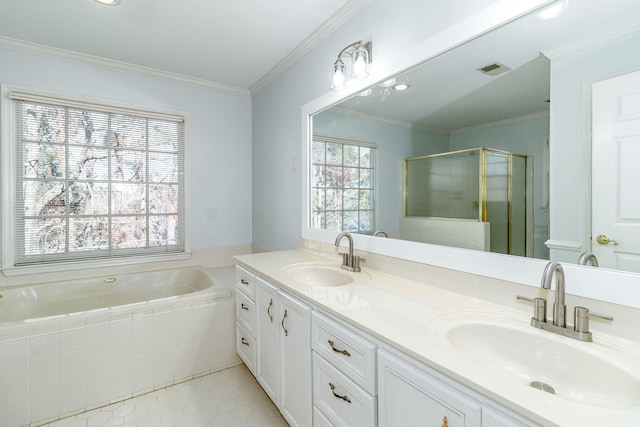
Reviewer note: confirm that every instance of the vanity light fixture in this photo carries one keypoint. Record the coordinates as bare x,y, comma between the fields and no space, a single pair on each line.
360,54
109,2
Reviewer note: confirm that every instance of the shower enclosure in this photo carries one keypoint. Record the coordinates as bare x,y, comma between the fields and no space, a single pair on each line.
477,198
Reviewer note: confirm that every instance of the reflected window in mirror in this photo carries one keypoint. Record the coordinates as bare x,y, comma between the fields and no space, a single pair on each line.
343,185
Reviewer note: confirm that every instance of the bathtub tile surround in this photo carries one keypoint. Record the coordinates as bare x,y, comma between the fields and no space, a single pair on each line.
56,368
228,397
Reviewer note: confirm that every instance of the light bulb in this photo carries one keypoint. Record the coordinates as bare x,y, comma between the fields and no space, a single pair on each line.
360,61
338,78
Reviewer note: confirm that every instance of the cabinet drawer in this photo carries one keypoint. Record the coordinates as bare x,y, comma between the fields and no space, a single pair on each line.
246,347
339,399
246,312
349,352
245,281
409,396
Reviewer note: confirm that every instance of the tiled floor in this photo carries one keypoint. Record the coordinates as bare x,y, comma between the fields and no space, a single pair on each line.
228,398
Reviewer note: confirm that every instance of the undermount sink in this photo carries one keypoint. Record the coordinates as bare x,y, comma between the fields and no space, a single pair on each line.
554,364
322,274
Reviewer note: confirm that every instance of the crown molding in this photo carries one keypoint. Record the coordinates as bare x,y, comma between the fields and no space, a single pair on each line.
344,14
111,64
620,31
348,11
500,122
386,120
402,123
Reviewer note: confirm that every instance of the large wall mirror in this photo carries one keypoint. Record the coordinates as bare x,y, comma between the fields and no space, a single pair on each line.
523,89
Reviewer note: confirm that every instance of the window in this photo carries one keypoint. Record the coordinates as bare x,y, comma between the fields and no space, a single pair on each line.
342,185
95,181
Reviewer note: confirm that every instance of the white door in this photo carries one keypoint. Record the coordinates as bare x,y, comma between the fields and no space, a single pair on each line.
616,172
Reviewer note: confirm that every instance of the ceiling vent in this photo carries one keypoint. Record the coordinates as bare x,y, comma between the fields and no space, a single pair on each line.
494,69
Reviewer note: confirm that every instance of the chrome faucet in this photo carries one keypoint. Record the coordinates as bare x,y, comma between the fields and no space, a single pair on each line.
580,328
350,261
588,258
559,307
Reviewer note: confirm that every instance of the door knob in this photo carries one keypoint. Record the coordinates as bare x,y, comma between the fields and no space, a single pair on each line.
604,240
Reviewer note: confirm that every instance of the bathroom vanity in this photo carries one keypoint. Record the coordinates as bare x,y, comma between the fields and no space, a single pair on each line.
387,348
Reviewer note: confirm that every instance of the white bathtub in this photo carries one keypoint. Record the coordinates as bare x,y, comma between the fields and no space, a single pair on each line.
68,347
71,298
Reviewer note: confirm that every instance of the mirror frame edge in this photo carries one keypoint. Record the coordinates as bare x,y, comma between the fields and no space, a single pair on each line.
514,269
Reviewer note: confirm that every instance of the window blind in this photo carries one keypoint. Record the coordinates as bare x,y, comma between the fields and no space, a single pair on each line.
95,181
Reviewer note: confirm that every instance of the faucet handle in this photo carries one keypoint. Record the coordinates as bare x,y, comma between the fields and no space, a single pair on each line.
539,307
581,318
355,263
524,298
345,259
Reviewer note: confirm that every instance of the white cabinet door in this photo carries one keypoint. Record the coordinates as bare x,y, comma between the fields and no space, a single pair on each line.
295,361
267,336
408,396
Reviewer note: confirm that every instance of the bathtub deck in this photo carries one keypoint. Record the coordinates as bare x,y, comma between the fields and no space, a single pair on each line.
227,398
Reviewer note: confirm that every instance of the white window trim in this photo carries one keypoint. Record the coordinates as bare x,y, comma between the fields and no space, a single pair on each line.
7,178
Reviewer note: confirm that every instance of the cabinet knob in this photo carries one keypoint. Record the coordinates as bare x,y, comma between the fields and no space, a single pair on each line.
244,282
244,307
244,341
445,421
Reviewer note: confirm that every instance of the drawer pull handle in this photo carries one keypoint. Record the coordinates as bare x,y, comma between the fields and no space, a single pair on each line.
244,341
244,282
445,421
286,331
269,310
244,307
333,390
345,352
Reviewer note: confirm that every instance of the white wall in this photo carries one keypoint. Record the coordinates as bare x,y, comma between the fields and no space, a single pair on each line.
219,138
277,125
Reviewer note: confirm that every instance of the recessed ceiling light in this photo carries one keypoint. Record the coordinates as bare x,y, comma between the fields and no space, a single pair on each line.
109,2
400,87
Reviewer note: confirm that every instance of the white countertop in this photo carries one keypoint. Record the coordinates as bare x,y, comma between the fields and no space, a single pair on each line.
408,316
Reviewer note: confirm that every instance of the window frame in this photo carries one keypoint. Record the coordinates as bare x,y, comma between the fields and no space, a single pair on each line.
8,179
374,179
